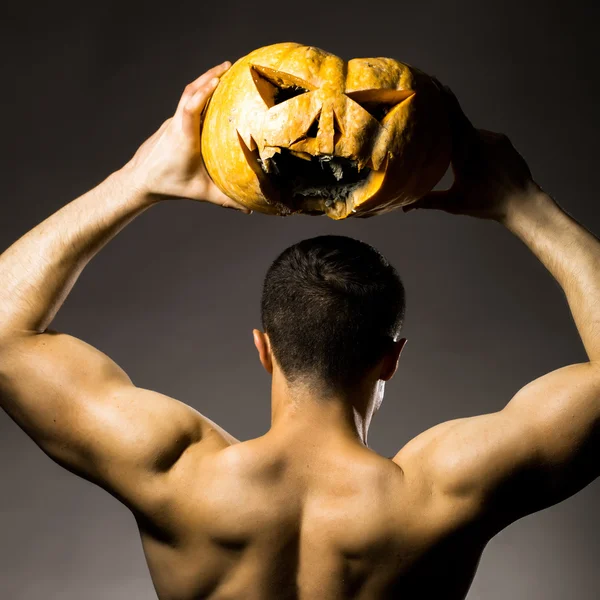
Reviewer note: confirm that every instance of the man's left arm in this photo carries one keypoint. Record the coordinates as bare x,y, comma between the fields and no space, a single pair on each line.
71,399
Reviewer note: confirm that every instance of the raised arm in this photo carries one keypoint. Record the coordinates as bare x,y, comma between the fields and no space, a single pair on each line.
545,444
71,399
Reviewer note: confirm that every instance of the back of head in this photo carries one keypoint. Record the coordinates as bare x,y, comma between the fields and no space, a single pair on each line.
331,306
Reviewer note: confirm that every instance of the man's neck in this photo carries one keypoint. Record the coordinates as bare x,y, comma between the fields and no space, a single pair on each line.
300,413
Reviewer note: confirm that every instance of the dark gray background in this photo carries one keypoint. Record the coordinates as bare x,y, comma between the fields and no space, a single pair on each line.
174,297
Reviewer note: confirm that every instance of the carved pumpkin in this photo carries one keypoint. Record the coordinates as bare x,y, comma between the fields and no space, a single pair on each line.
295,129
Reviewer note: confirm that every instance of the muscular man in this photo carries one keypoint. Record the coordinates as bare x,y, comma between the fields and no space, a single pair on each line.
307,511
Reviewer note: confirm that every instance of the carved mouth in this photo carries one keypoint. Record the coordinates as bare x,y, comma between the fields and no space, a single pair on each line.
328,178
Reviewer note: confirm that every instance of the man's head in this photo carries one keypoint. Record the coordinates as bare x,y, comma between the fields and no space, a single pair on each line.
332,308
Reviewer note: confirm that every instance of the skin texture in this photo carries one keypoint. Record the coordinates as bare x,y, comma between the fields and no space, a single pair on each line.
307,510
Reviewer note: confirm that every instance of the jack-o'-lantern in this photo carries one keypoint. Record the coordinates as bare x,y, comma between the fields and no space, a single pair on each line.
295,129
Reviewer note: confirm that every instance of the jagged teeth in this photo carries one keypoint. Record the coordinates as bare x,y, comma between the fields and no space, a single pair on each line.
337,170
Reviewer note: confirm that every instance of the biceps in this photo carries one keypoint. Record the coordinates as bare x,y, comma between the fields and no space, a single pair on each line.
127,441
563,410
537,451
474,456
45,380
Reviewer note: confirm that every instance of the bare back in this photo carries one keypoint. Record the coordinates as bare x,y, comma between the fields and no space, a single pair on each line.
286,516
251,521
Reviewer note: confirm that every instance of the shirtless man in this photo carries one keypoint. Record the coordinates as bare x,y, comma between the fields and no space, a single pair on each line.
307,511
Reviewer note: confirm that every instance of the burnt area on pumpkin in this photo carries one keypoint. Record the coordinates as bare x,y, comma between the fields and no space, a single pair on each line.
325,177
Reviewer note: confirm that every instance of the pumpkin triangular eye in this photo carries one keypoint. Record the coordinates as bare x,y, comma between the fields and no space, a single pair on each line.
313,130
276,87
379,102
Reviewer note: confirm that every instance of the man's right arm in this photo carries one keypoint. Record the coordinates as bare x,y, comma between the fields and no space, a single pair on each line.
558,414
544,445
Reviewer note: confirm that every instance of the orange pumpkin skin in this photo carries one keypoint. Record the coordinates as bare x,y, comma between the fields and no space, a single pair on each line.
384,118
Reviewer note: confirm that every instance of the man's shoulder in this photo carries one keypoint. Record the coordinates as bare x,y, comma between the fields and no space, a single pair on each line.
418,454
213,435
429,463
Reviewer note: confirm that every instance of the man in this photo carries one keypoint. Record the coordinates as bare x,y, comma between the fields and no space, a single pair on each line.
307,510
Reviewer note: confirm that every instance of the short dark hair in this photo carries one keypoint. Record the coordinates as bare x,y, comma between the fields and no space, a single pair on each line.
331,306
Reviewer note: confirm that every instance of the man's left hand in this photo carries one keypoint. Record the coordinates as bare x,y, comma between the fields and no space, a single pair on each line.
169,164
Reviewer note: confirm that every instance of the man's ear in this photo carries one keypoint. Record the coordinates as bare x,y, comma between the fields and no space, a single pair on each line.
390,361
261,341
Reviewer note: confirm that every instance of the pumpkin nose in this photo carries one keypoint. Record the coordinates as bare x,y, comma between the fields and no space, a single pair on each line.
326,133
327,129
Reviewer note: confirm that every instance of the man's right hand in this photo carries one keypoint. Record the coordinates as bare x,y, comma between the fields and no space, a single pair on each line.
490,176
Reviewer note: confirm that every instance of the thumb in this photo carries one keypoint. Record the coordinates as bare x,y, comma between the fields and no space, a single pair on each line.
215,196
437,200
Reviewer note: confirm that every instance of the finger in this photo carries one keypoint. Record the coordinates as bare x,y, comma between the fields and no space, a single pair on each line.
494,136
191,112
438,84
459,122
216,196
465,136
436,200
195,85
